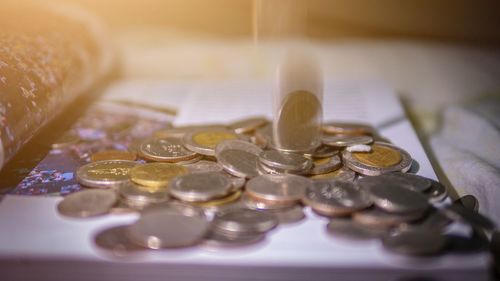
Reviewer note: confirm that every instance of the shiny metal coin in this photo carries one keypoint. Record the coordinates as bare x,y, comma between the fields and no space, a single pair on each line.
262,204
113,155
264,136
434,219
436,193
280,188
384,158
87,203
204,141
336,198
221,240
105,174
347,128
168,227
377,217
342,174
345,140
142,195
239,158
395,199
325,165
200,187
116,241
243,220
285,161
287,215
156,175
349,229
204,166
165,150
247,125
410,181
322,151
415,242
217,204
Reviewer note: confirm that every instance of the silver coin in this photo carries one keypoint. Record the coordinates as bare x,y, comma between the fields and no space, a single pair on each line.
413,182
116,241
239,158
264,136
348,229
347,128
377,217
415,242
165,149
436,193
105,174
288,215
265,169
322,151
220,240
395,199
142,195
204,141
200,187
346,140
243,220
204,166
285,161
281,188
342,174
168,227
321,167
247,125
336,198
262,205
87,203
353,163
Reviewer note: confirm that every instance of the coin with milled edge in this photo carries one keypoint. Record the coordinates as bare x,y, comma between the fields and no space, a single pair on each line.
396,199
168,227
415,242
165,150
105,174
377,217
113,155
116,242
342,174
204,141
349,229
200,187
346,140
410,181
248,125
156,175
87,203
383,158
285,161
280,188
325,165
243,220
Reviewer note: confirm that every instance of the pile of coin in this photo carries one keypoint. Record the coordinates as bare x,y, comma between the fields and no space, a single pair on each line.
228,185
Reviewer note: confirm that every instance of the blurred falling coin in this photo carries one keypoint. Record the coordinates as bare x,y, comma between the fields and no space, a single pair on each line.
65,140
113,155
87,203
105,174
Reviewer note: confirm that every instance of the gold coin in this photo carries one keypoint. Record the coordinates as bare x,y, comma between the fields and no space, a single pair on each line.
156,174
112,155
343,173
104,174
212,138
321,161
380,156
220,201
298,125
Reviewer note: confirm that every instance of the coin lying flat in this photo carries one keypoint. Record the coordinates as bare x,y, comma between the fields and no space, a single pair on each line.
165,150
336,198
204,166
436,193
243,220
285,161
247,125
116,242
113,155
383,158
395,199
239,158
279,188
221,240
377,217
156,175
139,196
204,141
342,174
178,227
325,165
346,140
87,203
322,151
469,202
105,174
410,181
415,242
200,187
347,128
349,229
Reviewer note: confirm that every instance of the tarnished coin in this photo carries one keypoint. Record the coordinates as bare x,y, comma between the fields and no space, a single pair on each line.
297,126
280,188
113,155
247,125
204,166
346,140
415,242
383,158
336,198
200,187
168,227
349,229
87,203
342,174
377,217
204,141
165,150
239,158
396,199
410,181
116,241
347,128
156,175
139,196
285,161
325,165
436,193
105,174
243,220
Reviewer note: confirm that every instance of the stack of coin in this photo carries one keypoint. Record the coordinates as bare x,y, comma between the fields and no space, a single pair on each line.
228,185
